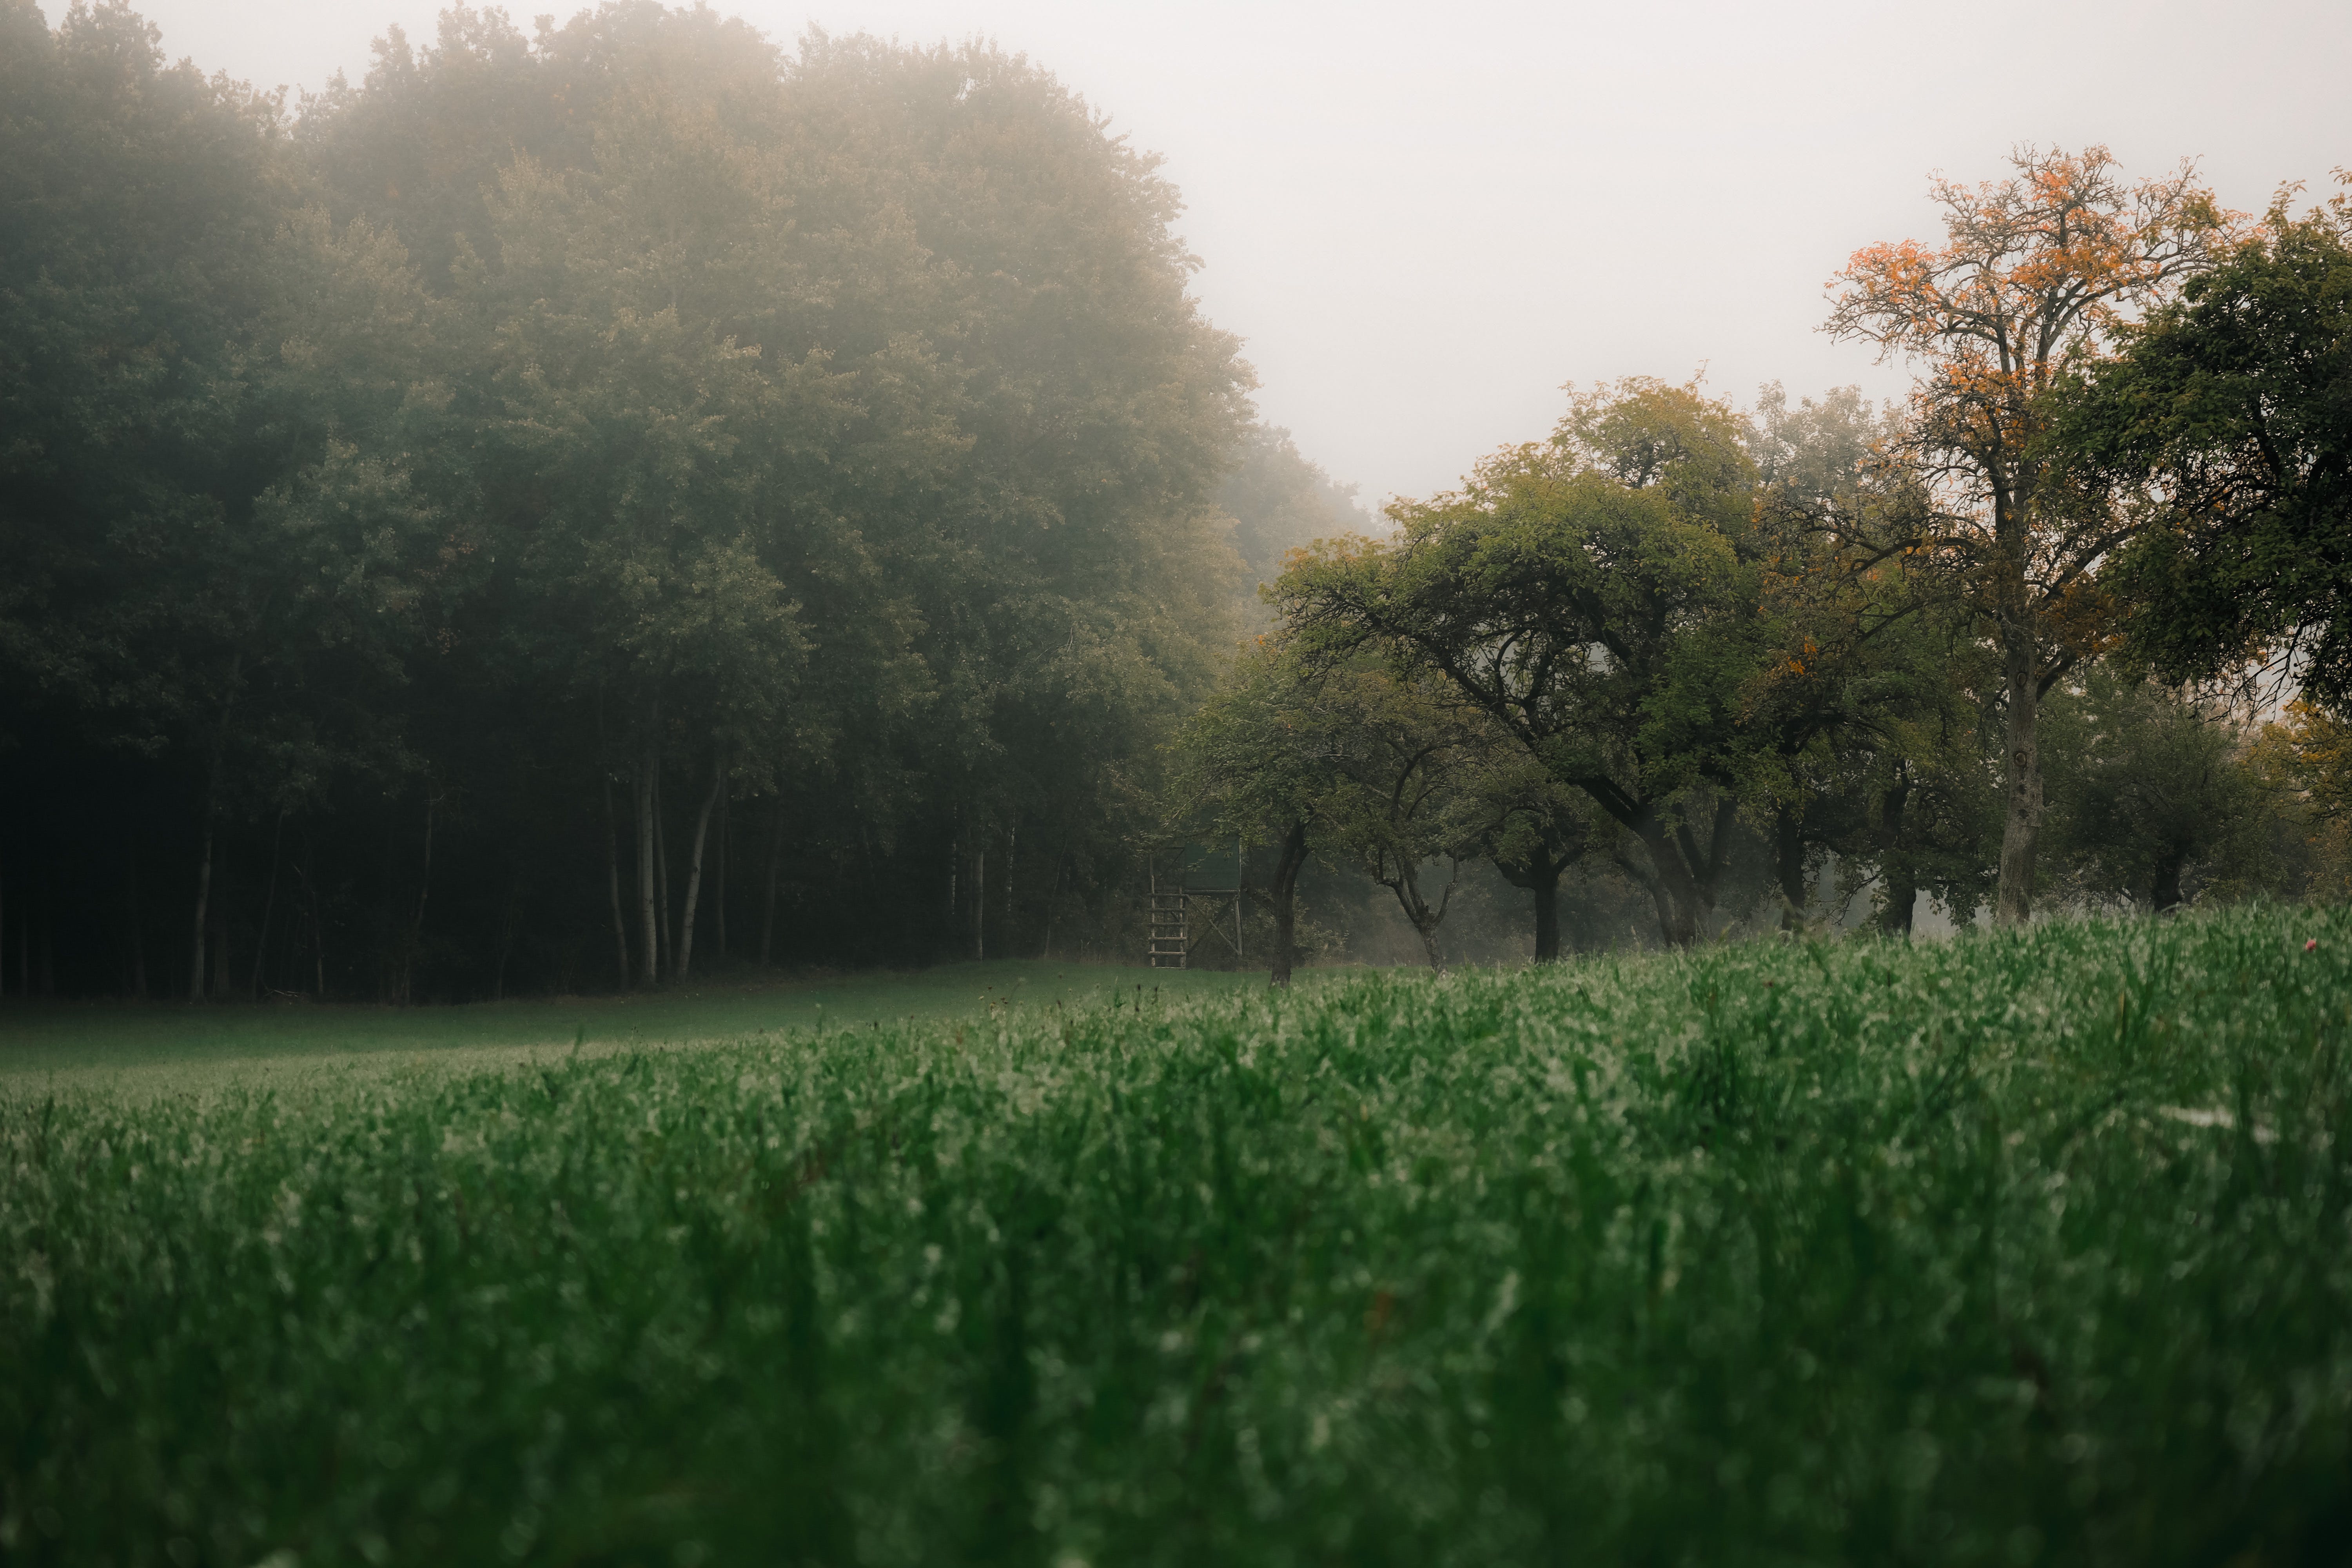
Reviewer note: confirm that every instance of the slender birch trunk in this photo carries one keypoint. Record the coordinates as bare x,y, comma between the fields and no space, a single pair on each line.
612,883
220,986
718,893
423,889
138,935
612,849
309,871
648,925
775,856
212,807
661,880
685,966
269,904
203,911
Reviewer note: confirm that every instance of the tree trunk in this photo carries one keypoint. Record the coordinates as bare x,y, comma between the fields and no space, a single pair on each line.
1547,897
269,904
138,935
1789,860
203,912
661,880
1406,886
2167,893
220,987
1895,865
613,883
2021,830
648,923
1538,871
718,893
775,857
212,807
1901,897
1672,888
424,890
307,869
1053,901
1428,934
1683,874
685,966
1283,893
506,939
1241,900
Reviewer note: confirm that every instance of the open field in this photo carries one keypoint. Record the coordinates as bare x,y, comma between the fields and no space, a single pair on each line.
2020,1248
168,1047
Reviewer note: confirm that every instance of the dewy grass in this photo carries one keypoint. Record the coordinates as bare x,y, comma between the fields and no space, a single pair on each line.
2027,1247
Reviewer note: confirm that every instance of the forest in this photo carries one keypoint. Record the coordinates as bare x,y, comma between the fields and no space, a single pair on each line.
430,504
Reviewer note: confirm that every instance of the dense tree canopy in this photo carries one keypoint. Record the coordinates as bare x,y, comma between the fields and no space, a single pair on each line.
2235,403
425,508
552,451
1591,597
2034,275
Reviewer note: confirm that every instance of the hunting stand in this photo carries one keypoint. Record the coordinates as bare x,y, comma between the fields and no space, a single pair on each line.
1189,905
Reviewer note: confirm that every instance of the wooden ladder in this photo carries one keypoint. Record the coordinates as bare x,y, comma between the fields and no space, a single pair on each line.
1171,939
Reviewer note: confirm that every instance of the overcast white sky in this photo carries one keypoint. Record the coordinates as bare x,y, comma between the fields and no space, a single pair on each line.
1424,219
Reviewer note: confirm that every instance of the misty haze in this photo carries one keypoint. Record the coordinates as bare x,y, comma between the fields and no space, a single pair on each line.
933,784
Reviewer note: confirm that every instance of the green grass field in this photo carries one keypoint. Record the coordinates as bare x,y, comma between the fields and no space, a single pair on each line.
2024,1248
165,1048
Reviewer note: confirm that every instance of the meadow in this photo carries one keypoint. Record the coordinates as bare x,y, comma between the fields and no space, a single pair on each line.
2024,1248
150,1049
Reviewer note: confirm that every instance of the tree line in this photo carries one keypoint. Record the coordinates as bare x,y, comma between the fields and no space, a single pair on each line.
572,505
2022,641
429,504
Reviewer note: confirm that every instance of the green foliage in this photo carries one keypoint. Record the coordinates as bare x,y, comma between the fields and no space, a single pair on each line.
629,404
1280,502
2237,400
1592,598
1865,714
1401,792
1995,1251
1258,754
2151,796
141,200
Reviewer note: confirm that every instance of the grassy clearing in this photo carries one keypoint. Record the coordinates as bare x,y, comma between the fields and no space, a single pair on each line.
2021,1249
155,1048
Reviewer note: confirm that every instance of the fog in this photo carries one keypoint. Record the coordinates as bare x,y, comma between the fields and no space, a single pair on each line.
1422,223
